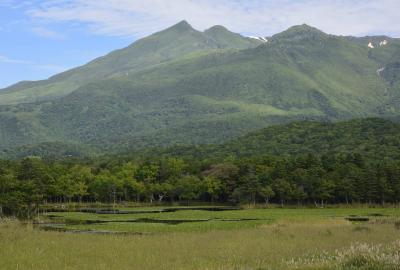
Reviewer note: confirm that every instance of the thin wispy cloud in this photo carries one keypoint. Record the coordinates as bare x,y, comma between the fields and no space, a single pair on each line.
139,18
7,60
15,4
50,67
47,33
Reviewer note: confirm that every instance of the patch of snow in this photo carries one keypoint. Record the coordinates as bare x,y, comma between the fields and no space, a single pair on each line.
370,45
383,43
263,39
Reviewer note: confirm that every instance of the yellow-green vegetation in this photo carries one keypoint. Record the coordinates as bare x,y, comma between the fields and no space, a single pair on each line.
292,239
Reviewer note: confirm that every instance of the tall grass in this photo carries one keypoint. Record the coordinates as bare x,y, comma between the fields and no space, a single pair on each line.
357,256
266,247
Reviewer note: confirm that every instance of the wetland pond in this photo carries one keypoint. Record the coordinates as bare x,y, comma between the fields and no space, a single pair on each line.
153,220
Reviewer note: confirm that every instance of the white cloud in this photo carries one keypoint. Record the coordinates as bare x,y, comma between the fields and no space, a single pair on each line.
261,17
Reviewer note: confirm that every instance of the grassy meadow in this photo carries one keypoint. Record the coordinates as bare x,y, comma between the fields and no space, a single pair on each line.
201,239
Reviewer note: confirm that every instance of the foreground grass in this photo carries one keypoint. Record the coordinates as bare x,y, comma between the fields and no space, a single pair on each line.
286,243
360,256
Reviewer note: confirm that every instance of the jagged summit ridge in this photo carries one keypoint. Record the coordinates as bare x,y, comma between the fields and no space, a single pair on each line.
295,32
181,26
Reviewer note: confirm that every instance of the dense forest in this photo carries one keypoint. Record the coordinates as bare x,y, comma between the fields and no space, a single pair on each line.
309,179
231,173
373,138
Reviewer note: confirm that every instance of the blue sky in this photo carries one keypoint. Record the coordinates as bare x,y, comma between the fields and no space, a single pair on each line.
40,38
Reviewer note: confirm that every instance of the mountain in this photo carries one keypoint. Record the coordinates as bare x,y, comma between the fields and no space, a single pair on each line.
373,138
376,139
213,86
178,41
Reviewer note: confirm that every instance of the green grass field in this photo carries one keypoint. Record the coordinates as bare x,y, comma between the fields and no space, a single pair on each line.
201,220
199,239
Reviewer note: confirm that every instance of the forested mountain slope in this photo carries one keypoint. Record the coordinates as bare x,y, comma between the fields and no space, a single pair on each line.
372,138
203,98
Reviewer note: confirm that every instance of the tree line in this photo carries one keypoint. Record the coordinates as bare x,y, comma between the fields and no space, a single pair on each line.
27,184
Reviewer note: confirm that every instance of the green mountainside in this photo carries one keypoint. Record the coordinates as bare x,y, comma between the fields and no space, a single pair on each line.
207,88
173,43
373,138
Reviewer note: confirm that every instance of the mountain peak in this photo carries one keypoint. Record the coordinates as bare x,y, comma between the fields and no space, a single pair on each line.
182,26
300,32
217,28
303,28
227,39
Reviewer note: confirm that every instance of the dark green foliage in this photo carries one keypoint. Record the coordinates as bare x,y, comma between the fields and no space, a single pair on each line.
391,73
50,150
372,138
333,163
